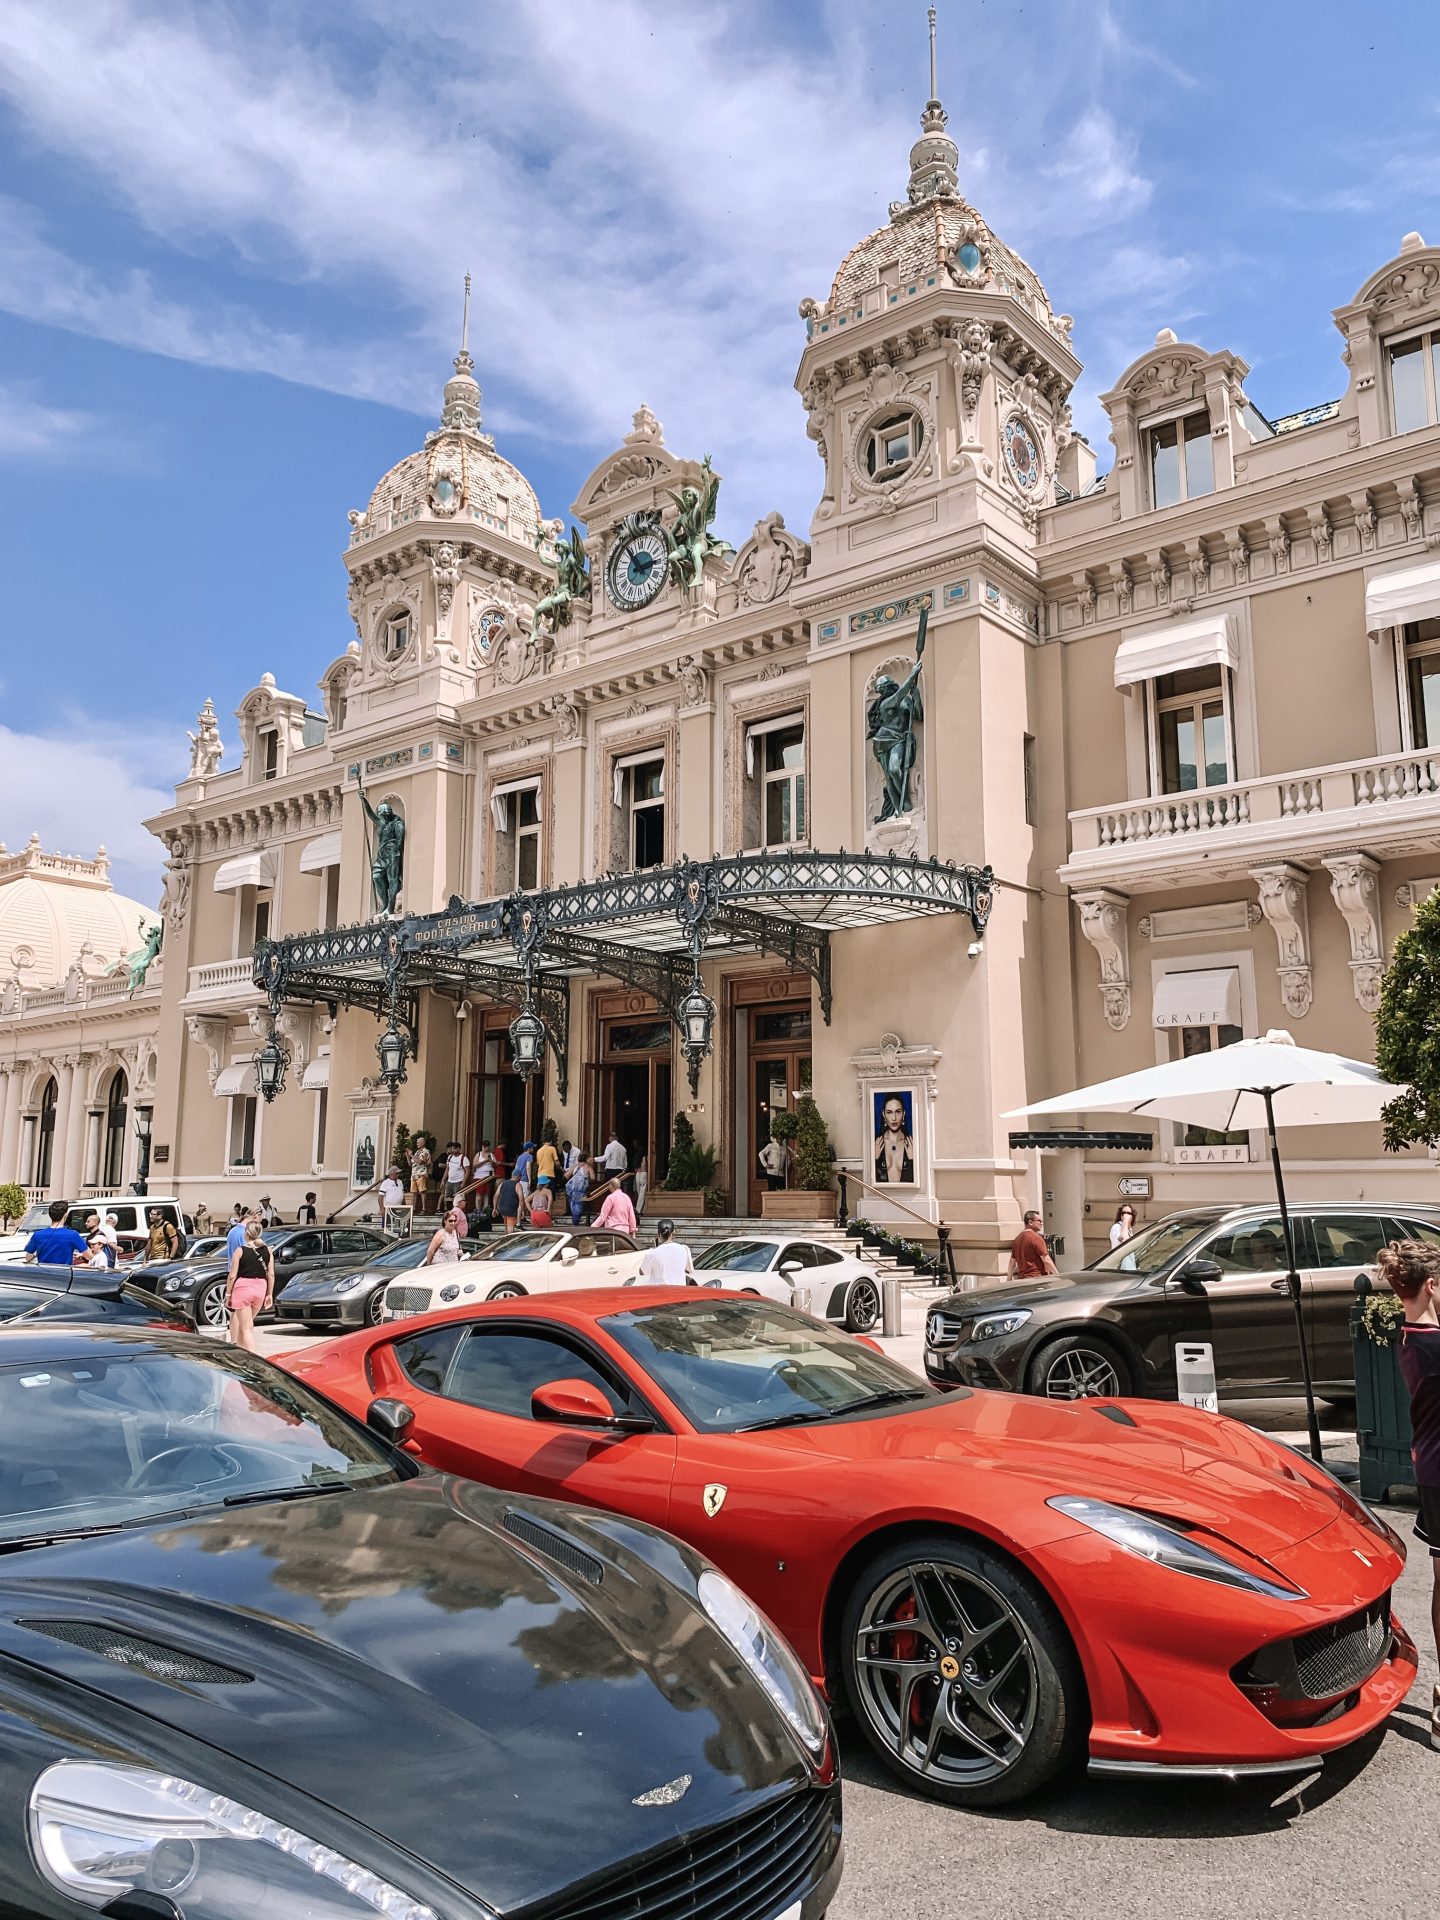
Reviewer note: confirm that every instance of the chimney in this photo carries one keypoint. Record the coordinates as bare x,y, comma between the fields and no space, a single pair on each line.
1075,467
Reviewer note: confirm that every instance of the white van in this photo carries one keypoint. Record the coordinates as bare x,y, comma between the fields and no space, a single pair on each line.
132,1217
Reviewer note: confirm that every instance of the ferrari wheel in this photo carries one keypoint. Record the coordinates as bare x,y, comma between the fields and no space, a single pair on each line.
961,1673
1078,1368
507,1290
862,1306
210,1308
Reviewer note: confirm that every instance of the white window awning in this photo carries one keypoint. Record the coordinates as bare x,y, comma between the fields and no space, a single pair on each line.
759,728
501,792
318,854
1172,649
1209,997
237,1079
255,869
316,1077
1396,598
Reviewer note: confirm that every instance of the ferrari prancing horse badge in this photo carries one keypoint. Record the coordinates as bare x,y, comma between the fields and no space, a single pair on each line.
713,1498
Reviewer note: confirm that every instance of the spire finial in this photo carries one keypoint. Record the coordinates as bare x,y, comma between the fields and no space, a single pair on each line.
934,78
465,323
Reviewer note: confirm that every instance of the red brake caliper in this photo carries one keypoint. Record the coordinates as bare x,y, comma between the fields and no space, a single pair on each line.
907,1647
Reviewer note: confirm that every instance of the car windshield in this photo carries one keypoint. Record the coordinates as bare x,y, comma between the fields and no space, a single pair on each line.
405,1253
126,1435
1154,1247
276,1236
735,1365
738,1256
525,1246
35,1218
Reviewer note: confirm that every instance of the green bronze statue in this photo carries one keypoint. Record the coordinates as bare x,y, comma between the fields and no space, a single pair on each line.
139,963
890,723
572,581
387,854
689,540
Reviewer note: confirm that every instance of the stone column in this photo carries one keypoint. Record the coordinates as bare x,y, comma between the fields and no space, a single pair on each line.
71,1119
10,1128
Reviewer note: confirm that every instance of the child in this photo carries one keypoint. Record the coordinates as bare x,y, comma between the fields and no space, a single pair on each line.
1412,1270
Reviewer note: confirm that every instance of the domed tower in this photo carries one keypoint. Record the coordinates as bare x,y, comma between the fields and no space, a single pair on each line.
936,376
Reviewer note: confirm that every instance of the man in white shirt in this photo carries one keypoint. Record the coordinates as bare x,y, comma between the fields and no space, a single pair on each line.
392,1193
615,1160
457,1165
109,1232
668,1262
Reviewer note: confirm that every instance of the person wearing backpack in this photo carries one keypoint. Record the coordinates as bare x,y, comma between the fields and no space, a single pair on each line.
163,1240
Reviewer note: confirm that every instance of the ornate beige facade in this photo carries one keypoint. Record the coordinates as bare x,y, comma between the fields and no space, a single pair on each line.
1183,712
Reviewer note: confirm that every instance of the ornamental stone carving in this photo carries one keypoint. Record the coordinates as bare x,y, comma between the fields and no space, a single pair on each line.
205,744
445,572
1285,904
1322,533
209,1034
1239,555
1412,508
769,562
694,681
1104,921
1355,889
175,895
567,717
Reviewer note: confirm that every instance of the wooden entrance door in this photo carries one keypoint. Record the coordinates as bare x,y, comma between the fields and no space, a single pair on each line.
636,1046
779,1070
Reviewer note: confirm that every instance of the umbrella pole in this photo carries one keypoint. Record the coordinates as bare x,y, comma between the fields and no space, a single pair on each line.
1292,1281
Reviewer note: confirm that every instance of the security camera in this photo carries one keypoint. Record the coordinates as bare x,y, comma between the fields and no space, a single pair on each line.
975,949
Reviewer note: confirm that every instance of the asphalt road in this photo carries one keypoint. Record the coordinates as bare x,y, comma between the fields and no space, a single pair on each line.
1356,1838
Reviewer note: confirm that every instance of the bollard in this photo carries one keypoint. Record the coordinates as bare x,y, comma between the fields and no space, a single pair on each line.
891,1301
803,1299
1195,1375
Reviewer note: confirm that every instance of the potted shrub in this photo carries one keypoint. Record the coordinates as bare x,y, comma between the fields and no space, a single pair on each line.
1382,1401
857,1228
690,1174
811,1192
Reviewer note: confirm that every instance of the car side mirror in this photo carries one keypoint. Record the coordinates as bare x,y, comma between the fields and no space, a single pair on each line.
576,1403
391,1419
568,1256
1196,1275
791,1267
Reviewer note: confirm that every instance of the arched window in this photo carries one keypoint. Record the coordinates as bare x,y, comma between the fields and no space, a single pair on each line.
45,1135
112,1157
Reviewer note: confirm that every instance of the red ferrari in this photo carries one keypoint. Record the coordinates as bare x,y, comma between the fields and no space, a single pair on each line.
994,1584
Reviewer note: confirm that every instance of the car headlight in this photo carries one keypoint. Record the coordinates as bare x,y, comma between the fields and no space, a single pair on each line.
450,1293
994,1326
100,1830
173,1282
767,1656
1167,1547
350,1282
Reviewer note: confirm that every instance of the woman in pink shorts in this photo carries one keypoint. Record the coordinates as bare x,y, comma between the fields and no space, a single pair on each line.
251,1286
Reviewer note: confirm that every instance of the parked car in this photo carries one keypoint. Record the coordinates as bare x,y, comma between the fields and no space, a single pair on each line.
198,1286
132,1217
253,1660
548,1260
991,1585
35,1216
841,1288
354,1296
1209,1274
33,1293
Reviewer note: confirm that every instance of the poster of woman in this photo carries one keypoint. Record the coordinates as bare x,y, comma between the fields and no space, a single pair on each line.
894,1153
364,1150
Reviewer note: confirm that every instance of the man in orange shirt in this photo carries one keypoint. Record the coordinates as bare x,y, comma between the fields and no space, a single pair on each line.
1029,1255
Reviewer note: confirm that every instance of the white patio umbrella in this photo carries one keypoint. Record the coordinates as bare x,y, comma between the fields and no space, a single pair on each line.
1266,1083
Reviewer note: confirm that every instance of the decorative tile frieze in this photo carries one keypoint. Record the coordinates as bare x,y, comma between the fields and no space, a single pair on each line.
892,611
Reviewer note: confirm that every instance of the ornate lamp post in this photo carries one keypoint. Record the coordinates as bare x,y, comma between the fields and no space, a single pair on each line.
697,1019
271,1063
143,1121
393,1049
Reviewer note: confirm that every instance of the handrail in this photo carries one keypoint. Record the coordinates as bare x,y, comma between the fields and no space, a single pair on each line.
943,1267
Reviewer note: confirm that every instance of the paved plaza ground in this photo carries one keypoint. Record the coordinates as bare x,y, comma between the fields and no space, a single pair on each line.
1355,1838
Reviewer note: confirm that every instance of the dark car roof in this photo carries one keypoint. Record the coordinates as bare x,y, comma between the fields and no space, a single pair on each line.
57,1279
29,1342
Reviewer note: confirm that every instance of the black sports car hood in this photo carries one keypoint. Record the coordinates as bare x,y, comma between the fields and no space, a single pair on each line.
408,1662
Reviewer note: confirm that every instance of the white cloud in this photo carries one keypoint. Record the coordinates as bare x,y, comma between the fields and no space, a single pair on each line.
1098,161
61,784
29,430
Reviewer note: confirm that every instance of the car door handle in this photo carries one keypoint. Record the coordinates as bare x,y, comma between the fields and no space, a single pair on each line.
1281,1284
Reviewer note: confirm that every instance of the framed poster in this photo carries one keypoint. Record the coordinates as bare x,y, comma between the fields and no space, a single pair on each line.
364,1151
893,1155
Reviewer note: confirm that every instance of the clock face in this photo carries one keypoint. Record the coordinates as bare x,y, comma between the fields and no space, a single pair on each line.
1022,455
636,569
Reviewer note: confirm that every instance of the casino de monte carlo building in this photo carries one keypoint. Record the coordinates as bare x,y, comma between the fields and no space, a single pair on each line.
1165,774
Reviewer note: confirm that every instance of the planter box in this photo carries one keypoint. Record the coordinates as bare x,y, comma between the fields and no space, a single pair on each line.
679,1206
1382,1415
795,1203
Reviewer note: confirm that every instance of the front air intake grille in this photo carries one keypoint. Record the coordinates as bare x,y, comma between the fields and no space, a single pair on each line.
1343,1655
944,1329
750,1869
407,1299
141,1656
555,1547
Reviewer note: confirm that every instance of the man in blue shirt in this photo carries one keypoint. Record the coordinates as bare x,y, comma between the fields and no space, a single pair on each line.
57,1244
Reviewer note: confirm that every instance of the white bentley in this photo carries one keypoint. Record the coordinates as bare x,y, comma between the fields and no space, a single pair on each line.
552,1260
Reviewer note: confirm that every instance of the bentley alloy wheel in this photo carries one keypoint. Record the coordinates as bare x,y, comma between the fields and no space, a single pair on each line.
507,1290
210,1308
963,1680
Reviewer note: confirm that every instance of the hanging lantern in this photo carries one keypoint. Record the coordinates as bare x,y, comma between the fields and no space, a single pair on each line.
393,1048
270,1065
527,1041
697,1022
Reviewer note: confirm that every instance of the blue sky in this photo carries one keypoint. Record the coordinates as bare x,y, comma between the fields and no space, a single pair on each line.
232,239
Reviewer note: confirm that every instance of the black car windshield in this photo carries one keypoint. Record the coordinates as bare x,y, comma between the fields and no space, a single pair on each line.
129,1433
1154,1247
735,1365
738,1256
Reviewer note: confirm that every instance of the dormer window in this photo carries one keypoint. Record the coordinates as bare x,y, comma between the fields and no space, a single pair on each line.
892,446
268,742
1182,459
395,638
1415,382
